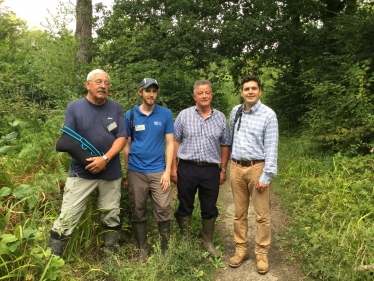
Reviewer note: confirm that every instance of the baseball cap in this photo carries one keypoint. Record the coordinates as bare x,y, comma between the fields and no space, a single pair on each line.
146,82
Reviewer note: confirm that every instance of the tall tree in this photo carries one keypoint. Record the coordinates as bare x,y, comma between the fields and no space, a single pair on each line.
170,40
83,30
317,48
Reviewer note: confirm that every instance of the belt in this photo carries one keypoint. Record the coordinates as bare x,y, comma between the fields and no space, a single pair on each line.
247,163
200,164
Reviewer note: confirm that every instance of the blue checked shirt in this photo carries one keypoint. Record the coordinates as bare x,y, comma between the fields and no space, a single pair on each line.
257,138
200,140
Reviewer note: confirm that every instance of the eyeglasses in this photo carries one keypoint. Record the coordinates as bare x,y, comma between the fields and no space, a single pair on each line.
99,82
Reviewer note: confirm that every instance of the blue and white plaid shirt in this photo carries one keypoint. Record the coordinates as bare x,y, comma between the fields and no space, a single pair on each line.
257,138
200,139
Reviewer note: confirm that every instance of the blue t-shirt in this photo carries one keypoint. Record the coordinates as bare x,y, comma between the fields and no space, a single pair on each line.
91,122
147,151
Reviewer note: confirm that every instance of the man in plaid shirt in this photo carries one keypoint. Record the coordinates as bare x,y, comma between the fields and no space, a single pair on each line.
253,165
202,144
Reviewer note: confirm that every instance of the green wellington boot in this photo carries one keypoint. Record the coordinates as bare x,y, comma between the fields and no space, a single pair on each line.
140,231
207,232
184,223
164,230
111,242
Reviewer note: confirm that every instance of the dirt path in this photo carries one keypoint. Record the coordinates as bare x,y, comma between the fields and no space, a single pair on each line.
279,268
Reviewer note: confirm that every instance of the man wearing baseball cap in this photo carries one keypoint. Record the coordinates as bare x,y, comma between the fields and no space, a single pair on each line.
149,125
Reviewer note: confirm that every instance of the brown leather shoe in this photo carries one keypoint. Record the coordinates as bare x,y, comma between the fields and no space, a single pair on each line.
262,263
238,258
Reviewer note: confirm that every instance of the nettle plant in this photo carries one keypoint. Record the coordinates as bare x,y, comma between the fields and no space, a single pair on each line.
22,256
31,173
8,134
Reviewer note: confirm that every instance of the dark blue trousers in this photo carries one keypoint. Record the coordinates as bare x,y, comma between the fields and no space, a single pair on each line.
205,181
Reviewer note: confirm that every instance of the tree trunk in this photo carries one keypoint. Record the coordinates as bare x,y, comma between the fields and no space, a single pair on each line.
83,30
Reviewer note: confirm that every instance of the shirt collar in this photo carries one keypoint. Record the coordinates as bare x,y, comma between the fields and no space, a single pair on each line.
255,107
198,111
155,109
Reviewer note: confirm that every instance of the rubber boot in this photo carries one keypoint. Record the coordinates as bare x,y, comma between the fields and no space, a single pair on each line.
184,223
111,242
164,230
140,231
111,239
57,243
207,232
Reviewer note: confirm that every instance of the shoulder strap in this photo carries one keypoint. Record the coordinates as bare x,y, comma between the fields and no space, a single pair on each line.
238,115
132,123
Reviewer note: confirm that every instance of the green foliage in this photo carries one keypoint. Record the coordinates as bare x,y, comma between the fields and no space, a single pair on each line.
331,208
40,70
341,86
330,117
315,61
20,253
8,132
11,26
185,261
307,44
142,40
35,65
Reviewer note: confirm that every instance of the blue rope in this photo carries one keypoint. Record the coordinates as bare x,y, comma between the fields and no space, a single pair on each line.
85,144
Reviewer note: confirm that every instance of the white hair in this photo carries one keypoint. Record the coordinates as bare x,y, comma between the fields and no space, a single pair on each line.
95,71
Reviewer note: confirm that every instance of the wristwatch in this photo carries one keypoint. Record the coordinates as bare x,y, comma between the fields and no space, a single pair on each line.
223,170
106,159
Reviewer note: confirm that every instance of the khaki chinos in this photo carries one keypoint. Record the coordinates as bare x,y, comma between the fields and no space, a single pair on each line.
243,185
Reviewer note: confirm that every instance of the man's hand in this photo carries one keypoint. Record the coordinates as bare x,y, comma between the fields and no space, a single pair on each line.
97,165
165,180
173,175
261,186
222,177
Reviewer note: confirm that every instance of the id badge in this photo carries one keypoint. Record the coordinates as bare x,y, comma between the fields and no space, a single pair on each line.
112,126
140,127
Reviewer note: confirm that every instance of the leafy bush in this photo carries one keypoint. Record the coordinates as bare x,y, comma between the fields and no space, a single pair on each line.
341,116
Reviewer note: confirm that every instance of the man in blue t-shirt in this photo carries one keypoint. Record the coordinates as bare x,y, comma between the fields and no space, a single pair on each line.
147,171
100,121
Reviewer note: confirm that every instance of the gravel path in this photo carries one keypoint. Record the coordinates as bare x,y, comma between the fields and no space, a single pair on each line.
279,268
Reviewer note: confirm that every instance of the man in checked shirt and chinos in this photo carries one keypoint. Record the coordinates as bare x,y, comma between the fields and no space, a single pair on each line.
202,143
253,165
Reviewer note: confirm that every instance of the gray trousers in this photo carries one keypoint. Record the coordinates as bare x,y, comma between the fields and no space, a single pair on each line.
76,194
140,185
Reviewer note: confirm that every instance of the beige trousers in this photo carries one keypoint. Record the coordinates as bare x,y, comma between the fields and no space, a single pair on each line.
243,185
76,194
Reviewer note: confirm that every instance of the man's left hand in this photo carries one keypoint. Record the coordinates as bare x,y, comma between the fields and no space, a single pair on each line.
97,165
261,186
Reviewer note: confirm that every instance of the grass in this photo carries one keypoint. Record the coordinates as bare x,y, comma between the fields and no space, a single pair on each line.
24,256
330,202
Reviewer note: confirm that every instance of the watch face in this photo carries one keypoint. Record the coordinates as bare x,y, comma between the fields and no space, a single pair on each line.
223,170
